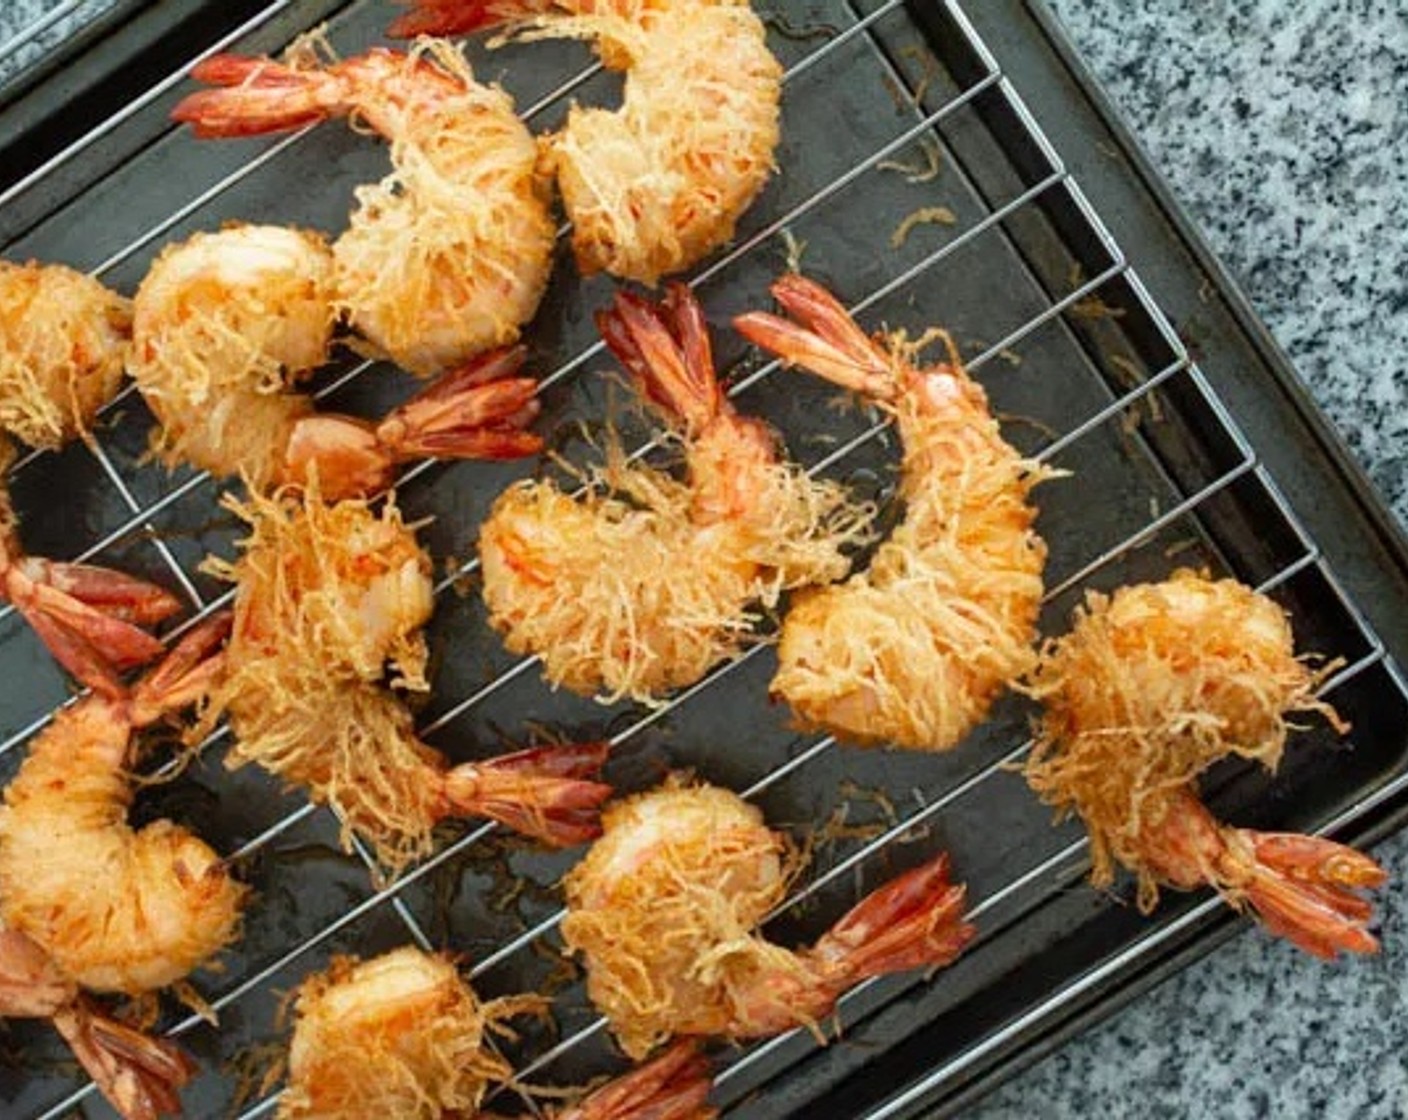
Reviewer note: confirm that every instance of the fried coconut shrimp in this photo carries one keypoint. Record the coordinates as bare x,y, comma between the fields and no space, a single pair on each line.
63,341
665,908
330,603
449,255
139,1075
115,909
656,185
642,583
403,1036
1152,686
225,326
914,650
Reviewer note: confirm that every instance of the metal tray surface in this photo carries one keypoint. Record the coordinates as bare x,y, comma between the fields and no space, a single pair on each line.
1111,345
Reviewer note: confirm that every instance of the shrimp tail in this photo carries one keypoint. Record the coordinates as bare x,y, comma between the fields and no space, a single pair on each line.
460,17
116,594
140,1076
824,338
187,673
665,348
1303,888
92,642
260,96
547,792
479,411
914,921
674,1086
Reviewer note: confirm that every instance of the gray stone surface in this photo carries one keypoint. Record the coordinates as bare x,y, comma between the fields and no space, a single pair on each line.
1283,127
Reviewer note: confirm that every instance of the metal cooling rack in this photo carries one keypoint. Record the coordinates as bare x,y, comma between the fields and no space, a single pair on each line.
1069,291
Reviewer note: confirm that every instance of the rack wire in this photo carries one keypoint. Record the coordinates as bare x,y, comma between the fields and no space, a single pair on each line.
1076,298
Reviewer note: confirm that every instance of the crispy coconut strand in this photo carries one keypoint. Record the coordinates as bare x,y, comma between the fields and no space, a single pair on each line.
63,344
338,591
624,592
1151,687
398,1037
915,649
664,907
352,747
329,597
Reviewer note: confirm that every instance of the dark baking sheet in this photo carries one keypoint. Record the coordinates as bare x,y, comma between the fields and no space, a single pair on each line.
1107,338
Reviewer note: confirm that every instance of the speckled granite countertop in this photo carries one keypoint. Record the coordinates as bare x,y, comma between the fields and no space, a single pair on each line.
1284,130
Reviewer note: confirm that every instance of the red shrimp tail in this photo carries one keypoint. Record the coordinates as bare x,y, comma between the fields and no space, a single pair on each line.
259,96
140,1076
89,641
548,793
1303,889
665,348
187,673
461,17
824,338
914,921
674,1086
478,411
116,594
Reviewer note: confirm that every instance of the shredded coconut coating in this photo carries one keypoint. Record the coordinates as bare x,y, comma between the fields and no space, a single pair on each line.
914,650
644,583
398,1037
63,344
449,254
225,324
655,186
664,907
118,909
331,600
1151,687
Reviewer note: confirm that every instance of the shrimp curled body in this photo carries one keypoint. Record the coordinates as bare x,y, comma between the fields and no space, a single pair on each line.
403,1037
665,906
1151,687
915,649
642,583
116,909
63,344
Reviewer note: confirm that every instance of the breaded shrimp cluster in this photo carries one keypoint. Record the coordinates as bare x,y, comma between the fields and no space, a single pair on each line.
656,185
447,256
329,608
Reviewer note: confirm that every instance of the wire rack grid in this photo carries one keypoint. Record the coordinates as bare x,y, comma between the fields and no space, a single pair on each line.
1074,350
